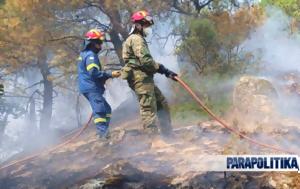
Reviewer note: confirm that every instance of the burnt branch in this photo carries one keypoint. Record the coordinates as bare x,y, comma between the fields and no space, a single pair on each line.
197,4
33,85
200,6
179,9
65,38
94,4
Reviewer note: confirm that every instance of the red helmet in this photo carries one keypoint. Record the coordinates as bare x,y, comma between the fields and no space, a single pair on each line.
142,17
95,34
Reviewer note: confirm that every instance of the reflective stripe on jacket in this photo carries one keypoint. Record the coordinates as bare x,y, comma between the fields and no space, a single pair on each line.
91,77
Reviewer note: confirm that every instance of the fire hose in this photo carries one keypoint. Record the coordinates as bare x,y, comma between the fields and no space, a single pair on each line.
52,149
225,125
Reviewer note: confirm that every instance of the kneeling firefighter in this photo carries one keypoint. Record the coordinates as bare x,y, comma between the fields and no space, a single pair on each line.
139,70
92,79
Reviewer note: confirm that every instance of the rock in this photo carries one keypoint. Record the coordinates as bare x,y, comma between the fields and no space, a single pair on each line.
159,143
93,184
123,174
252,92
272,182
257,107
292,83
254,106
116,136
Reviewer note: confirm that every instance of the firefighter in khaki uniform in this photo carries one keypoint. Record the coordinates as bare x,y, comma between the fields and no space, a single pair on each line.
139,70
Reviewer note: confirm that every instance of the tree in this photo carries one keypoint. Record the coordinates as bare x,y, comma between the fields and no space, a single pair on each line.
27,30
215,41
200,45
47,34
291,7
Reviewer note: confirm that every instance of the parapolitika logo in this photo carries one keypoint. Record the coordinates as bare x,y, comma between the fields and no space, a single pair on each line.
262,163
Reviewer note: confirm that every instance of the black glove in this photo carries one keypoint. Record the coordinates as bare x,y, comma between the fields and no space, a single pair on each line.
171,75
168,73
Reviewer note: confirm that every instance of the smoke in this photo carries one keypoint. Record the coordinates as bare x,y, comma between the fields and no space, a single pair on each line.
117,92
16,127
19,132
162,46
274,44
276,48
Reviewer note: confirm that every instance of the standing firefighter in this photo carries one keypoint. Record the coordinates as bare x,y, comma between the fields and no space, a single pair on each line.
139,70
92,79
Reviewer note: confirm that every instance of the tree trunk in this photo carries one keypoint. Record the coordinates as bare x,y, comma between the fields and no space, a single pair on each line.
115,39
46,112
117,30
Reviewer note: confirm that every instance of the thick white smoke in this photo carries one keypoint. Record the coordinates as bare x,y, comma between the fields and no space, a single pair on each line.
274,44
277,48
162,46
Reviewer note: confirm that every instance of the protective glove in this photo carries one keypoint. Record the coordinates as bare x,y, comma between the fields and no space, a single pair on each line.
168,73
115,74
171,74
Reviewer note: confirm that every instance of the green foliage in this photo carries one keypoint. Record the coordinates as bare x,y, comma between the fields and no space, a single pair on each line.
187,113
203,31
210,88
212,44
291,7
200,43
215,95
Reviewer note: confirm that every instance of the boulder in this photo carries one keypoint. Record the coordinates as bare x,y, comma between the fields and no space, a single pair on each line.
254,104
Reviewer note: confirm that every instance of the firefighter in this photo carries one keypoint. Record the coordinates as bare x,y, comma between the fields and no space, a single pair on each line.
139,70
92,78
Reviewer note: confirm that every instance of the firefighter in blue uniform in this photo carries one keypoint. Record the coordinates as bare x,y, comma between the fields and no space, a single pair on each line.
92,79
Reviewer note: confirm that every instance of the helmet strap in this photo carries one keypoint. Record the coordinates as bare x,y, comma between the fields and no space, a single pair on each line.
92,46
132,29
94,49
136,28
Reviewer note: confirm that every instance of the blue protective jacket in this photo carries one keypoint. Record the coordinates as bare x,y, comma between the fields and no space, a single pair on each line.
91,77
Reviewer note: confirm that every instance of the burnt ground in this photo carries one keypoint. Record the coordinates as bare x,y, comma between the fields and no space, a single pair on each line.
130,159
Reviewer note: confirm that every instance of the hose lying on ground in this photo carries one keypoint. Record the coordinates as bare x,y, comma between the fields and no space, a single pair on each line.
225,125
